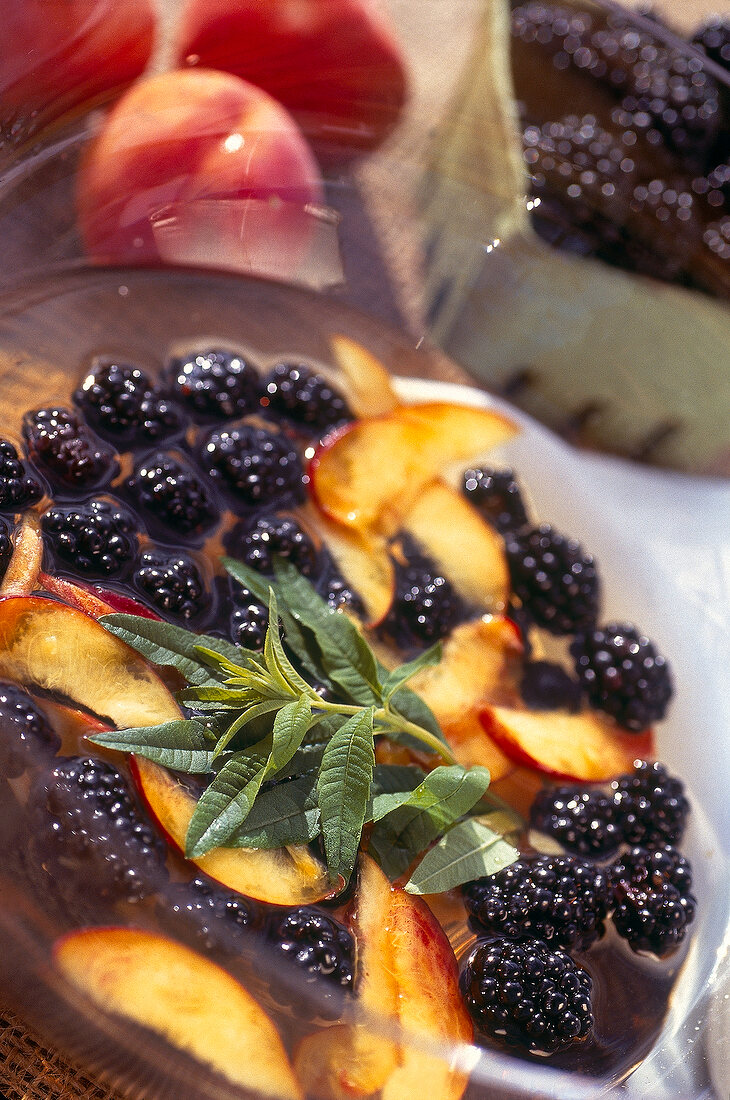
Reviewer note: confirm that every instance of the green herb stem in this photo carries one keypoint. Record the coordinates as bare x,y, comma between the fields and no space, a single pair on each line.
385,717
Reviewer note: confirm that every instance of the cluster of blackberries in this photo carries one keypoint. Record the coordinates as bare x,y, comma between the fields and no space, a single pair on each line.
647,807
649,885
88,830
520,982
556,584
635,181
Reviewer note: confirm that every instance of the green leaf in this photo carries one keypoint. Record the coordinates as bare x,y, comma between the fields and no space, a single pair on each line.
343,788
346,657
400,675
306,759
391,778
249,715
415,709
224,804
286,813
384,804
445,795
183,745
470,850
276,658
165,644
290,729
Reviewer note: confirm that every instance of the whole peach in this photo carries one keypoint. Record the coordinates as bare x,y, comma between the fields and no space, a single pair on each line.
59,54
199,167
334,64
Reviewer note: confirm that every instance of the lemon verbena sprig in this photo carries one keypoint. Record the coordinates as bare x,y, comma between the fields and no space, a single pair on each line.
286,739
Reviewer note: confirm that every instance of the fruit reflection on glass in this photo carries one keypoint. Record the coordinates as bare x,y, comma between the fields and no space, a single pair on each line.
335,64
63,54
199,167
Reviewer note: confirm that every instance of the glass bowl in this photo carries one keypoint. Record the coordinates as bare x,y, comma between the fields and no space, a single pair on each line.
669,527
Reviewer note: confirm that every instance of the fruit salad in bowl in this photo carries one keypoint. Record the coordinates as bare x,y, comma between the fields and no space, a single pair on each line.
342,753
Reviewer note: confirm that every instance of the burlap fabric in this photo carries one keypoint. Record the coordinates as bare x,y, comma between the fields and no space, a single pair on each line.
30,1071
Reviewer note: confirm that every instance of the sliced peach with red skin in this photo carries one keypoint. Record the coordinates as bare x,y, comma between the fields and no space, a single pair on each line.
24,568
370,389
369,474
64,54
279,876
430,1006
93,600
49,645
351,1060
462,544
335,64
199,160
410,982
190,1001
582,746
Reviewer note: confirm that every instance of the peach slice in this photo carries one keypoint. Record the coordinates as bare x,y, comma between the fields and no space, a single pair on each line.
369,474
279,876
364,560
93,600
469,551
407,975
349,1060
430,1005
22,573
369,386
48,645
480,663
182,996
581,746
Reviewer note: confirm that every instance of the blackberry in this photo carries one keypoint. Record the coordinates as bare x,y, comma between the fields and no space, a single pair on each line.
249,620
582,821
653,906
714,38
559,899
215,384
19,487
255,465
426,606
547,686
84,819
97,538
172,583
67,450
622,674
528,993
555,579
170,491
6,547
259,541
293,390
209,918
321,950
650,805
120,400
339,593
496,494
26,735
